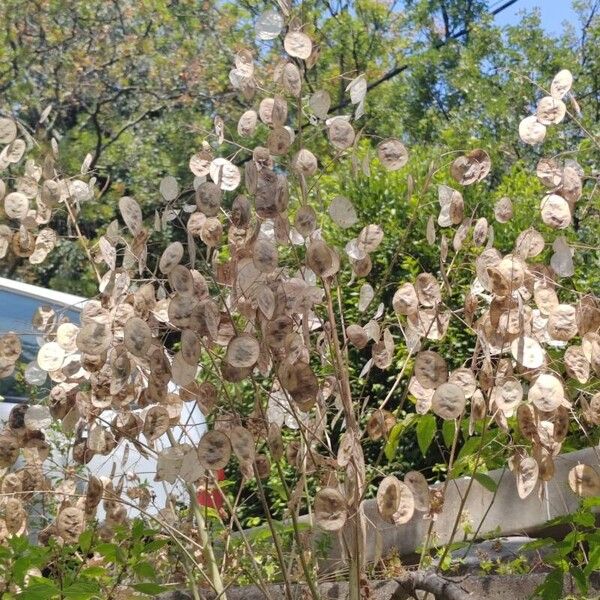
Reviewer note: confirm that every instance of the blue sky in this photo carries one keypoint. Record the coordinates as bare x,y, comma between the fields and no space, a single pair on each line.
553,13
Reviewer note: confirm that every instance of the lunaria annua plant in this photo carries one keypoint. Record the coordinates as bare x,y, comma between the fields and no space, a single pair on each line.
252,297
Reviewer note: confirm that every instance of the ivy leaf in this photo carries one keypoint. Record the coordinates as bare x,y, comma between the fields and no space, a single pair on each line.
426,428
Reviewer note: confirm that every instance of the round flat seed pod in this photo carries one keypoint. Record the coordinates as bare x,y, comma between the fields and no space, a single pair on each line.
8,130
562,322
392,154
191,346
430,369
264,255
66,336
448,401
10,348
297,45
170,257
395,501
527,476
321,259
169,188
561,84
16,205
465,379
208,198
342,212
14,152
269,25
370,237
471,167
246,124
405,301
577,364
357,336
94,338
137,337
225,174
550,111
420,490
156,422
527,352
242,443
508,395
305,220
279,141
380,423
556,212
211,232
214,450
131,213
320,103
330,509
243,351
503,210
200,163
181,280
428,290
70,523
529,243
292,79
50,356
526,422
546,392
341,133
549,172
531,131
305,163
584,481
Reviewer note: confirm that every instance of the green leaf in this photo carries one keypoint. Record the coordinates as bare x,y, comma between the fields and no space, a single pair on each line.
552,587
154,545
448,432
94,572
593,560
144,570
580,579
82,590
40,588
149,588
486,481
112,552
426,428
85,540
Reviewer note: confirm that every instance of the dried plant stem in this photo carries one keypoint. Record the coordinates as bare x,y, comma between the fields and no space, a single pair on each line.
207,549
276,542
355,554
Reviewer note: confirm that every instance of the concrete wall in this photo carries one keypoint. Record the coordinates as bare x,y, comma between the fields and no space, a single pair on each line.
505,512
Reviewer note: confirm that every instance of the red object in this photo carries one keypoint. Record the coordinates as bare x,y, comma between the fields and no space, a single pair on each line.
211,495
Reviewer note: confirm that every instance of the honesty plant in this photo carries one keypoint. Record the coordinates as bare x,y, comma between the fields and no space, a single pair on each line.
251,297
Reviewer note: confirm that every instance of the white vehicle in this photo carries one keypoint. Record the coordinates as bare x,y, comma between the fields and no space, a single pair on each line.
18,302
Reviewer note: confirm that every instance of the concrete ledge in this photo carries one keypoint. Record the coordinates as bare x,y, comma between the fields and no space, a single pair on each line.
505,513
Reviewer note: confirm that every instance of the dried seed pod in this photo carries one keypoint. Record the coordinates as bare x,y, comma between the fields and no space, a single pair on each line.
584,481
395,501
527,476
527,352
380,424
531,131
342,212
137,337
214,450
471,167
243,351
430,369
70,524
420,490
503,210
156,422
392,154
448,401
357,336
561,84
546,392
298,45
331,509
405,301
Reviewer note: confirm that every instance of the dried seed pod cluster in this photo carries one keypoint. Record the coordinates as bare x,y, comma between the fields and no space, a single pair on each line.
259,310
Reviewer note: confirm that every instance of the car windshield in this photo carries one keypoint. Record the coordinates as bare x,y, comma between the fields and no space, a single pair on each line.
16,315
